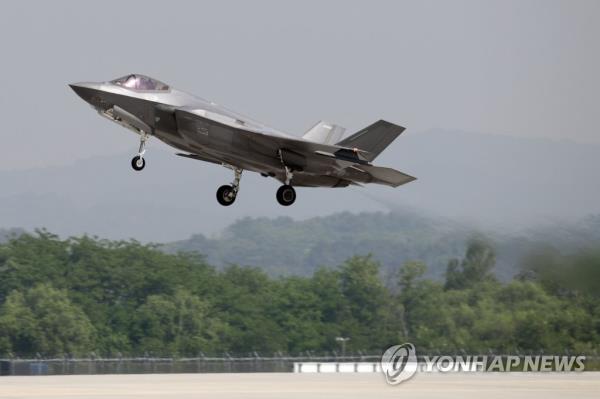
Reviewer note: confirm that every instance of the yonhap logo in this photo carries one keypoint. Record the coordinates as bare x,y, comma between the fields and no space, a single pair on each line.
399,363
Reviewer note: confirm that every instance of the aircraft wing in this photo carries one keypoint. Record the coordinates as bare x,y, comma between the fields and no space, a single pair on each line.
265,149
193,124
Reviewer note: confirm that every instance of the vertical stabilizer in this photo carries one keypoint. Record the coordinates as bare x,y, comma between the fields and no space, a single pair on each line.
324,133
373,139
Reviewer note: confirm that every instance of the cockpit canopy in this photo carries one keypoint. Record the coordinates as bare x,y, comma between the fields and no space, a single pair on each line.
140,82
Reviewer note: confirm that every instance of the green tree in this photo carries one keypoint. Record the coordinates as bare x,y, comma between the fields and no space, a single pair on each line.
176,324
408,279
409,273
83,294
43,320
298,312
245,302
364,318
32,259
475,267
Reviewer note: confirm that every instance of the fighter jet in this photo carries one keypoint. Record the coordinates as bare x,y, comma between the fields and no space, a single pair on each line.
206,131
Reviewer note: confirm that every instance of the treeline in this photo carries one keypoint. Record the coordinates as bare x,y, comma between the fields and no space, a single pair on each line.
84,295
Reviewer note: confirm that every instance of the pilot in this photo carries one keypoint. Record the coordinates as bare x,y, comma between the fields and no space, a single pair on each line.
131,82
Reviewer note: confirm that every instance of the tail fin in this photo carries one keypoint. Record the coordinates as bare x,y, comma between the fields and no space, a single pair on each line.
324,133
373,139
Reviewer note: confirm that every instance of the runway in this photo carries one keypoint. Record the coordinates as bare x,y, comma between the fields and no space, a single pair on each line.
288,385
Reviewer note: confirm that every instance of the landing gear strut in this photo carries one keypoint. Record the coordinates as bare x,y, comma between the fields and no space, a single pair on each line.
286,195
138,163
226,194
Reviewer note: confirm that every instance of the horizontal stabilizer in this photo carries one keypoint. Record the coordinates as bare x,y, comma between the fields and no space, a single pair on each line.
373,139
387,176
324,133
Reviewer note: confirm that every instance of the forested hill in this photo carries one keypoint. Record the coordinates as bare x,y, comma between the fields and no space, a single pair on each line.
6,234
284,246
80,296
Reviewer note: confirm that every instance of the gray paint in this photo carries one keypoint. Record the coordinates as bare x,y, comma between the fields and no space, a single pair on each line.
207,131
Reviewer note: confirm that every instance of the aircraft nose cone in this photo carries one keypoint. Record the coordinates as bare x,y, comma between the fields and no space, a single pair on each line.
84,90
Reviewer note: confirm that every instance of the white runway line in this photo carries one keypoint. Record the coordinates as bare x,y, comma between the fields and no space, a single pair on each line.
288,385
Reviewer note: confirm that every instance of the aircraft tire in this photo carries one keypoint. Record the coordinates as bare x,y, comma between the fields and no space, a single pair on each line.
223,195
138,163
286,195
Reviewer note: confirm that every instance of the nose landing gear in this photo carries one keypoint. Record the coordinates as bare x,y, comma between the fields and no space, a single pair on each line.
138,162
226,194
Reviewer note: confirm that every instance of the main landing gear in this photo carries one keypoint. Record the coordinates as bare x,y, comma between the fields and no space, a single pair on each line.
226,194
138,163
286,195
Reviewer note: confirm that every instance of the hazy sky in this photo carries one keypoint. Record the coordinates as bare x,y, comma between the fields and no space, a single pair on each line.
524,68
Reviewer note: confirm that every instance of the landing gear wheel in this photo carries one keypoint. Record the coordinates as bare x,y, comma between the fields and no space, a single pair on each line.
286,195
226,195
138,163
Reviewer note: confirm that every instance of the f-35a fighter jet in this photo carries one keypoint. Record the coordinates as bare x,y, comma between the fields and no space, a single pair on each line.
208,132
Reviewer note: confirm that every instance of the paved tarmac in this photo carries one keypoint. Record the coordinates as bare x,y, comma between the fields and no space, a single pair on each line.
292,386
